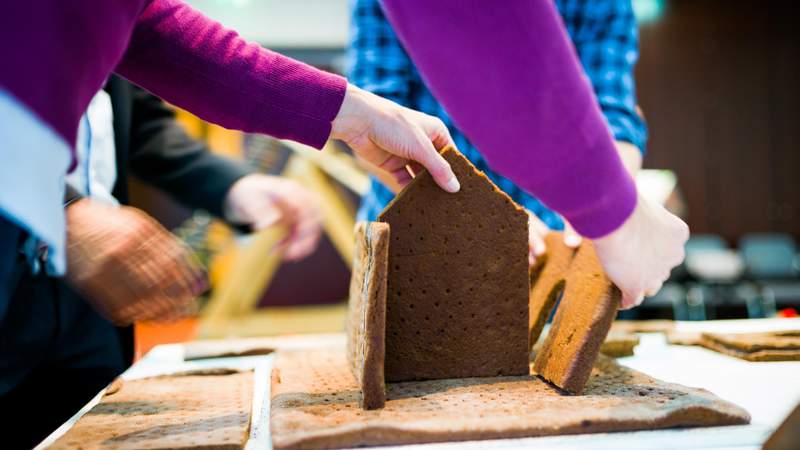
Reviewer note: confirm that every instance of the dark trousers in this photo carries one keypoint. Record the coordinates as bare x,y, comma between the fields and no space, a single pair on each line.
56,353
10,236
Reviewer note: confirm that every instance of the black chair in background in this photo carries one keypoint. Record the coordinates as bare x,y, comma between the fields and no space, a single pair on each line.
772,264
718,282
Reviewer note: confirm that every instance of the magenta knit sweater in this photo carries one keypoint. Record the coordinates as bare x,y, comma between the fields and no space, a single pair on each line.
57,54
508,76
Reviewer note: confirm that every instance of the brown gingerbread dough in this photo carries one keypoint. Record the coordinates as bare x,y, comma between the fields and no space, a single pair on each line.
768,346
619,344
643,326
366,314
582,321
547,281
787,435
314,405
185,411
457,292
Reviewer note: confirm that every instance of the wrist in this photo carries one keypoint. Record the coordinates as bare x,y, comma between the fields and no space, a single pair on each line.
630,155
347,122
231,211
244,201
617,236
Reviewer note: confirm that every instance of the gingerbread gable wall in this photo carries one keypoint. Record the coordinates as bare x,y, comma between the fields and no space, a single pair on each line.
457,289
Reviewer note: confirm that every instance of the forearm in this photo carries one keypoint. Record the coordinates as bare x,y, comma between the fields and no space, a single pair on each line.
163,155
196,181
193,62
550,139
630,155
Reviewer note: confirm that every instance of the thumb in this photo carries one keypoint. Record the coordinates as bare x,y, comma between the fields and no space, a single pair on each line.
571,237
630,301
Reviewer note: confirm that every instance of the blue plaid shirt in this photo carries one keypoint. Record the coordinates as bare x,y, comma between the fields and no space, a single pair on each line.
606,39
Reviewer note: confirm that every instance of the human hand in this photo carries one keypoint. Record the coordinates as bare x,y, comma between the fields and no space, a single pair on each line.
537,230
392,137
262,201
639,255
128,266
630,155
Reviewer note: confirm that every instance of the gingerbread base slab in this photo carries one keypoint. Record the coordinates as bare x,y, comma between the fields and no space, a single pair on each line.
224,349
314,405
643,326
618,344
208,409
774,346
754,347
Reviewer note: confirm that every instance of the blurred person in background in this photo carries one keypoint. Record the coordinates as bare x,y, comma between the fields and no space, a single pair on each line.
55,352
64,339
509,77
605,36
58,55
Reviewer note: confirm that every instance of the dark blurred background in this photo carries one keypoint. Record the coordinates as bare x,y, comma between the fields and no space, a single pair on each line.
719,84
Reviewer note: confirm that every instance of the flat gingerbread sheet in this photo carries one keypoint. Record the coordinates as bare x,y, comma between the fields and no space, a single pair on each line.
208,409
315,405
771,346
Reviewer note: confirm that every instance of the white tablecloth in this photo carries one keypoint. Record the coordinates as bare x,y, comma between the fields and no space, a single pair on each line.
768,390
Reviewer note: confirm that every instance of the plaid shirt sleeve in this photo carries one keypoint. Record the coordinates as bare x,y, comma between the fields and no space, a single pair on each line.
606,38
376,60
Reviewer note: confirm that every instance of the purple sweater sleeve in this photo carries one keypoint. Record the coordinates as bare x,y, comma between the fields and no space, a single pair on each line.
194,62
508,76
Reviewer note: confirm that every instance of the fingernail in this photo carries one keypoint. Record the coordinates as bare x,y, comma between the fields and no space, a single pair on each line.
453,185
572,241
